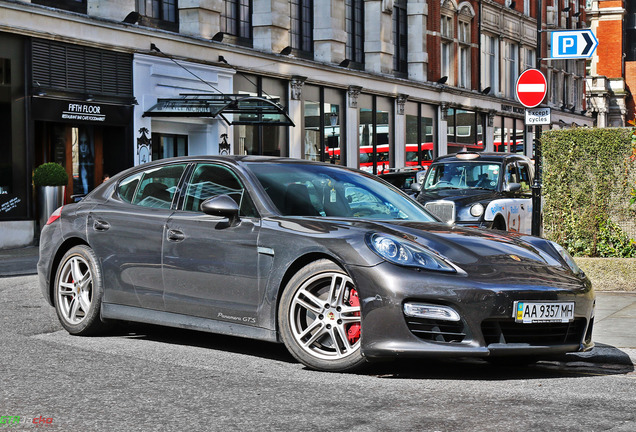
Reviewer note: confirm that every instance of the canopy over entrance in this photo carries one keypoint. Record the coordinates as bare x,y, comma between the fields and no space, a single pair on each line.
245,110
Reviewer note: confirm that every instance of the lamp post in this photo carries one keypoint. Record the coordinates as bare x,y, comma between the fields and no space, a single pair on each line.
536,185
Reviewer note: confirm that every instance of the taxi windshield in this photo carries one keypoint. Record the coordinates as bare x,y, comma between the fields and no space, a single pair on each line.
463,175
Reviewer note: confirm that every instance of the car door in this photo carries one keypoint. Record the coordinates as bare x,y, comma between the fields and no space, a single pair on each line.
517,203
525,193
128,232
210,266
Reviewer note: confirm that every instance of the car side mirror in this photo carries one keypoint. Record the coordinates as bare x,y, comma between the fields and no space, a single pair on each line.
513,187
223,206
416,187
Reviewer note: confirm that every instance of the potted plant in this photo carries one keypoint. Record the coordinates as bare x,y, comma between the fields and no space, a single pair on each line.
50,178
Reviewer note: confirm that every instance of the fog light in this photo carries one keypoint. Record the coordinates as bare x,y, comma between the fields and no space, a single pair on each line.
421,310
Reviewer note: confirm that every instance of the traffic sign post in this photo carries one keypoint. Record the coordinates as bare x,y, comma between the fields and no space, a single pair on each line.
531,88
572,44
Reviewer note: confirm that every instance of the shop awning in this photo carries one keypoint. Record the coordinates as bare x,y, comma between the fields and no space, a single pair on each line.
245,110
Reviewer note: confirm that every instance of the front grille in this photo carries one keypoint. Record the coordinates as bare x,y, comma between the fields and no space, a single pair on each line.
444,210
436,330
508,331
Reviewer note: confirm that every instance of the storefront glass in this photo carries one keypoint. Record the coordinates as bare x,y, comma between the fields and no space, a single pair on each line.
419,129
263,139
375,143
322,127
15,186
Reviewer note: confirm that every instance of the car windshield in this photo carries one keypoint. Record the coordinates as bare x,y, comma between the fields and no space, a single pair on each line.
326,190
463,175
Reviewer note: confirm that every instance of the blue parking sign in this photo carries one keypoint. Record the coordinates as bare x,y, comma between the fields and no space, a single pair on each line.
572,44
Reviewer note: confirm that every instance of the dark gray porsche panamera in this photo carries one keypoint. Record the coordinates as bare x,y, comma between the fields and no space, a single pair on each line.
336,264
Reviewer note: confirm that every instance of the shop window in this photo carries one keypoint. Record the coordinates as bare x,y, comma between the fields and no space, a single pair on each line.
169,145
260,139
69,5
236,20
322,125
465,130
354,25
400,37
375,139
302,27
420,143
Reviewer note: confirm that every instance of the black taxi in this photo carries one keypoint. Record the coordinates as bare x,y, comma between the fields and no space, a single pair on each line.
484,190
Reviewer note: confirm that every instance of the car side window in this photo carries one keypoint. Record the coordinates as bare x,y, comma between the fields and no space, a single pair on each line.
128,186
511,174
156,187
524,177
210,180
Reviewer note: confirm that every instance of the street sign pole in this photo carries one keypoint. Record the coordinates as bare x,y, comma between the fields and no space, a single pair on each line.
536,185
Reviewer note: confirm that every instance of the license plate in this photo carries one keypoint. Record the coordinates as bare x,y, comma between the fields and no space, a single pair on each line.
531,312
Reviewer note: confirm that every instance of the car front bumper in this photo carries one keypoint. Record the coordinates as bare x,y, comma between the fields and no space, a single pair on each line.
487,326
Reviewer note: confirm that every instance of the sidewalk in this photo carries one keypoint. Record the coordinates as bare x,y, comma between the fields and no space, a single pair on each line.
614,323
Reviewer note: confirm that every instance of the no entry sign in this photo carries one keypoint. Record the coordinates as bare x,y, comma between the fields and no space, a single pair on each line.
531,88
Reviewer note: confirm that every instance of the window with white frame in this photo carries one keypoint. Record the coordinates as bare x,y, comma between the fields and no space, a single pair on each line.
529,59
463,66
447,48
490,63
526,7
511,68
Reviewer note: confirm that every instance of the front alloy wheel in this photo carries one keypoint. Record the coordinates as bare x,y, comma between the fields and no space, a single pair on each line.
319,318
78,291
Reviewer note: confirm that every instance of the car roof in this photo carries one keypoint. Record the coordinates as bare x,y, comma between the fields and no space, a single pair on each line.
482,157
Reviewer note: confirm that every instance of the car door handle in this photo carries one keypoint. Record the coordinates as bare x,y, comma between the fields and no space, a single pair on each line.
175,235
99,225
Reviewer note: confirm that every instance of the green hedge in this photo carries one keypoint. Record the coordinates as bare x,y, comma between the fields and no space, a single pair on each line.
587,179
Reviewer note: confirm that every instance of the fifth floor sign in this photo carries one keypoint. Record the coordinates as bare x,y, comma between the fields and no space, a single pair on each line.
68,111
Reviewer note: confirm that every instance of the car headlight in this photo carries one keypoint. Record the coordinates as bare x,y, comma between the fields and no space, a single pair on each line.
567,258
402,252
477,210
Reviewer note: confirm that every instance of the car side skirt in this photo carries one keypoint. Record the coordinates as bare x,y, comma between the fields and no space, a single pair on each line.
148,316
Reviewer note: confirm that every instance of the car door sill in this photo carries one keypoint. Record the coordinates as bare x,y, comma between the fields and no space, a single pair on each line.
149,316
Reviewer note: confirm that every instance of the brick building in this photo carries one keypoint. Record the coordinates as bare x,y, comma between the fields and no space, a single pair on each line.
100,86
612,76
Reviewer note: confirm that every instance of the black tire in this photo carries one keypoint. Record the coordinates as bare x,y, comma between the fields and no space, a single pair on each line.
78,292
319,318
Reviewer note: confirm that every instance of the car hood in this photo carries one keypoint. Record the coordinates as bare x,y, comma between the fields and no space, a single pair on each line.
459,196
481,254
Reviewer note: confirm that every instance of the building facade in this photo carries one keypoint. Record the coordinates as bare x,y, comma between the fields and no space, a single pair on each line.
612,75
377,84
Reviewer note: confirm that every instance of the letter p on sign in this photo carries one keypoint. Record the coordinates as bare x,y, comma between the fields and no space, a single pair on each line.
567,45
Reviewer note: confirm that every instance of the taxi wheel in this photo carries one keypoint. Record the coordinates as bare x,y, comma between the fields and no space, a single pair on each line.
319,318
499,224
78,292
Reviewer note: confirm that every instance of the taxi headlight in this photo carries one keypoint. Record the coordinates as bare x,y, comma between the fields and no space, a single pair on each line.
477,210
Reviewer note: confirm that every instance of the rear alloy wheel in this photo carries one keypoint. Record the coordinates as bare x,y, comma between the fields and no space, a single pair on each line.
78,292
319,318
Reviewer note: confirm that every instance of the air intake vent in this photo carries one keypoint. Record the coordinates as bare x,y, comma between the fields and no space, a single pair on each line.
437,330
508,331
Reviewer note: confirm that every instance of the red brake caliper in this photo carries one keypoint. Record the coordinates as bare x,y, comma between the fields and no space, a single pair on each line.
353,331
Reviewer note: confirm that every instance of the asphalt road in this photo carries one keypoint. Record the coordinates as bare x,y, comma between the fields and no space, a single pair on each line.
155,379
